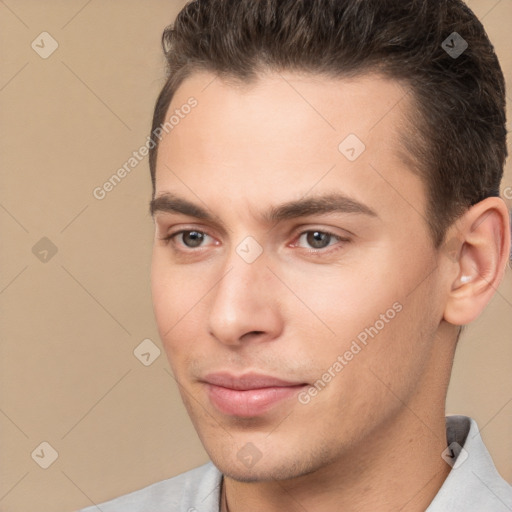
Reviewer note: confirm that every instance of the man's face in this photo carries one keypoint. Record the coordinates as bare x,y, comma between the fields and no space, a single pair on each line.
295,331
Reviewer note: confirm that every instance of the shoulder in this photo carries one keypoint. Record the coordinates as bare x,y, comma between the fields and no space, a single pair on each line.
199,487
474,483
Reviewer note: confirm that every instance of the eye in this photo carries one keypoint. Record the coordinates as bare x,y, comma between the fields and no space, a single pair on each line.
316,239
189,238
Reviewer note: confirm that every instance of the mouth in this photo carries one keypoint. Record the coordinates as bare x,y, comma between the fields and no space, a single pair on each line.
248,395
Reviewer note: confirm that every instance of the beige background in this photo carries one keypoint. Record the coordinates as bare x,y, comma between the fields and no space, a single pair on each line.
69,326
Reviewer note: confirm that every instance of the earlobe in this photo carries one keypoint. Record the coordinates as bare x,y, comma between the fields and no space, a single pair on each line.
475,271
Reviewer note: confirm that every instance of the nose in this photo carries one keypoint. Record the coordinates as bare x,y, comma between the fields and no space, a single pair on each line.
244,305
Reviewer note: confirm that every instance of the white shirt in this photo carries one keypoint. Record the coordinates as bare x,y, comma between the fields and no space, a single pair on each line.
473,484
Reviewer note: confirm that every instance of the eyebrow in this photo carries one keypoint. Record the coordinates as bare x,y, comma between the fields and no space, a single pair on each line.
317,205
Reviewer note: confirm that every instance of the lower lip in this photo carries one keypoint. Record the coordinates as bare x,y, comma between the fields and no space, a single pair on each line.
250,402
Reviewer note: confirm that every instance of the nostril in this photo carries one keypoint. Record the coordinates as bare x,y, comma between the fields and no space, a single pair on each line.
251,334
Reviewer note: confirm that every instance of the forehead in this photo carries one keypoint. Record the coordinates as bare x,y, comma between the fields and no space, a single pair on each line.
368,105
287,133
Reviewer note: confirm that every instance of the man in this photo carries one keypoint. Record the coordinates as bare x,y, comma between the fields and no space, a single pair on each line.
326,200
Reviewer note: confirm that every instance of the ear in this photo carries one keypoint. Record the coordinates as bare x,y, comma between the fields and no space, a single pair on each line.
476,252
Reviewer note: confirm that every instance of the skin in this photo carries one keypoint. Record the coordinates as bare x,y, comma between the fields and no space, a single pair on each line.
244,150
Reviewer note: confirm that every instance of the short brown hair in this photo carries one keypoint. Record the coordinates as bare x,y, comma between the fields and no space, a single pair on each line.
459,138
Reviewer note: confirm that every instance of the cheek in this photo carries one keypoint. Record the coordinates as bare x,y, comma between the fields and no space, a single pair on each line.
365,382
176,295
371,315
395,353
162,293
340,302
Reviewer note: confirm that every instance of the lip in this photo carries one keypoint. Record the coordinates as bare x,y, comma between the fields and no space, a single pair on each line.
248,395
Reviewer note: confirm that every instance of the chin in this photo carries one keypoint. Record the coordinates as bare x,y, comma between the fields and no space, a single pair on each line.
277,469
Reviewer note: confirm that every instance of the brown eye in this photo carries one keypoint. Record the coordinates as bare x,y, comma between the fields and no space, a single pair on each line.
192,238
317,239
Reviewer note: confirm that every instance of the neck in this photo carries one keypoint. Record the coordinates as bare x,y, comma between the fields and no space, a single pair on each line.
400,467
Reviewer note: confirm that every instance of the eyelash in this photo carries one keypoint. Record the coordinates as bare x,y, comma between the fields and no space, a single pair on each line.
168,238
